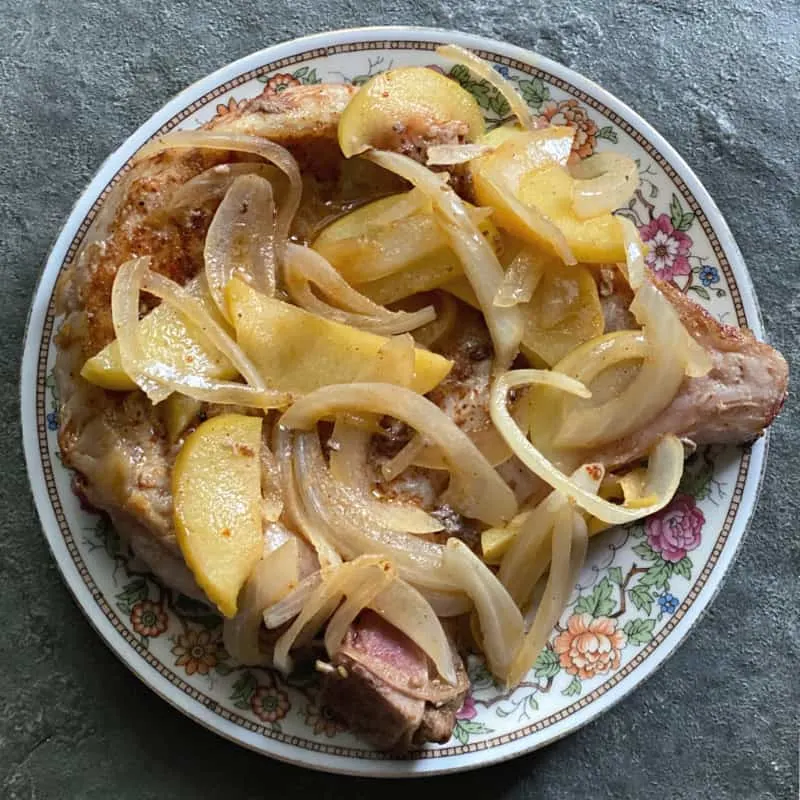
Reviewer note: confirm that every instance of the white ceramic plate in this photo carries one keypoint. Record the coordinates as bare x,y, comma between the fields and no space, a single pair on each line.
643,587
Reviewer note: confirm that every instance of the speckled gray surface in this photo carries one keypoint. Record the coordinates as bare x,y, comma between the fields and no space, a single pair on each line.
719,80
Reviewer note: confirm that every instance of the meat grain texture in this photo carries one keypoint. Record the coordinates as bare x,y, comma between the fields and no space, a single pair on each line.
118,445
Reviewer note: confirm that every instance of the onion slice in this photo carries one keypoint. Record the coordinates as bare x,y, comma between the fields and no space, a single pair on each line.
500,620
292,604
664,470
337,582
443,155
157,379
605,182
304,266
213,184
650,392
314,532
477,258
405,457
401,605
371,582
554,599
634,253
273,577
483,69
476,490
446,317
520,280
241,240
240,143
528,556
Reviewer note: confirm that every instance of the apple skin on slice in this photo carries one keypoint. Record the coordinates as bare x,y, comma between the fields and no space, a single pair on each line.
216,487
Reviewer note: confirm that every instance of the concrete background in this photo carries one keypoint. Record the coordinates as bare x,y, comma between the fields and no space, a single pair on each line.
719,78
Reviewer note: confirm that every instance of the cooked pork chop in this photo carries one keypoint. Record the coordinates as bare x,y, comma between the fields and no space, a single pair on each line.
118,445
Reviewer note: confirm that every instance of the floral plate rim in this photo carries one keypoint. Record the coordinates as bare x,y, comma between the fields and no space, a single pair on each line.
88,601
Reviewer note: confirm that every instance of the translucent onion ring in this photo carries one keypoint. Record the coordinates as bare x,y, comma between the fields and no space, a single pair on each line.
483,69
240,143
241,240
476,490
304,266
605,182
664,470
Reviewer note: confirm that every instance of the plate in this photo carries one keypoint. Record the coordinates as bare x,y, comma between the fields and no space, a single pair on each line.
643,587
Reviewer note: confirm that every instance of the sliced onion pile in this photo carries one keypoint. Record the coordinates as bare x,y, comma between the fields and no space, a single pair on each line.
500,620
569,527
157,379
366,582
653,388
476,490
529,555
350,527
336,583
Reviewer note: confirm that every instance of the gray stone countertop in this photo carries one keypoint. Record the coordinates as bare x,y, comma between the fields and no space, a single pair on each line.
719,78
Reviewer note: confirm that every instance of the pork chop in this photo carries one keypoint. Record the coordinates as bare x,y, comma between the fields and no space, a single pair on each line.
118,444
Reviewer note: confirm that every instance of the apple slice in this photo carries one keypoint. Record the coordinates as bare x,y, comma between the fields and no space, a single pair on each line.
216,489
298,352
416,98
168,337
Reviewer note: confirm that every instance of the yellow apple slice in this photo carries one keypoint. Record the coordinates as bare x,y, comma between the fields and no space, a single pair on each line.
527,182
168,337
216,488
392,235
418,98
595,240
298,352
563,313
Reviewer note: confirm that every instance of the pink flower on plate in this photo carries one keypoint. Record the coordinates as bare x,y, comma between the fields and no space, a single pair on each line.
675,530
668,253
467,710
